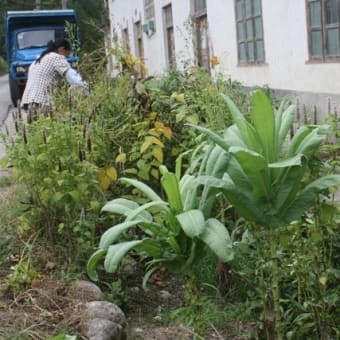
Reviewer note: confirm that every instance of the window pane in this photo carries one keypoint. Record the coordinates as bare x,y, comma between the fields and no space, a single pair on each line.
240,28
333,42
248,8
200,5
315,14
242,52
258,28
251,52
239,10
316,44
250,34
259,51
332,10
257,7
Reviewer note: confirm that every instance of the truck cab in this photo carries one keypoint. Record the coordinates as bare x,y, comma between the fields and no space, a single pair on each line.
26,36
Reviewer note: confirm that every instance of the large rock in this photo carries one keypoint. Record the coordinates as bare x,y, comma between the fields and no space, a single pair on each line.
104,310
88,291
102,329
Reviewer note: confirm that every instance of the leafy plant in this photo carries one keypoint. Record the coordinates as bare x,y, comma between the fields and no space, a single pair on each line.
265,176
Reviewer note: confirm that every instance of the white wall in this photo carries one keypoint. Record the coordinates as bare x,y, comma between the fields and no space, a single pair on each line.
285,37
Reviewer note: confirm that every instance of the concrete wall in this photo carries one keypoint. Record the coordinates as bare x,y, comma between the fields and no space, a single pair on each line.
287,67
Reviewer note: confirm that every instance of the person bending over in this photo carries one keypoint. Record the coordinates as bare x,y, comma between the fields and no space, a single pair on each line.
45,75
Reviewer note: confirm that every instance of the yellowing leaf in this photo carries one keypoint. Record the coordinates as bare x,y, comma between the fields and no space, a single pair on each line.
145,145
174,151
167,132
154,173
323,280
159,125
193,119
104,180
214,61
178,97
153,115
156,141
121,158
112,173
158,154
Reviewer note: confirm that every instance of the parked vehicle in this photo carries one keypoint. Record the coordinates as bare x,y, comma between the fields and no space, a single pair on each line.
26,36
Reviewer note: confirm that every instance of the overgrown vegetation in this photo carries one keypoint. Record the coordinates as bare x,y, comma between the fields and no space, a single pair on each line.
242,212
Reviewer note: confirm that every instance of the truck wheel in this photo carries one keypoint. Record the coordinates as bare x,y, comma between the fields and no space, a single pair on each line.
14,91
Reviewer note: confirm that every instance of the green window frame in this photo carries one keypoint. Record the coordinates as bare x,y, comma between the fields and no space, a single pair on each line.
249,28
323,24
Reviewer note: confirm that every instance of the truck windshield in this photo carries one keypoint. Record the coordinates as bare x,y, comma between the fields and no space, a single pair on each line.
38,38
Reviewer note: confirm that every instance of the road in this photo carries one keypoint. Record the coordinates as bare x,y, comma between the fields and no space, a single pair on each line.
5,110
5,99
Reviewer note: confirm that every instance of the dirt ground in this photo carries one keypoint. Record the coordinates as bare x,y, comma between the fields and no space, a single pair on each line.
50,306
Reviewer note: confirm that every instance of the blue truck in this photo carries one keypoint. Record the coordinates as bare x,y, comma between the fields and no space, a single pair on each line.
26,36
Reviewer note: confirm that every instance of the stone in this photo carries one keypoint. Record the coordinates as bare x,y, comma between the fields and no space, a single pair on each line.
102,329
88,291
104,310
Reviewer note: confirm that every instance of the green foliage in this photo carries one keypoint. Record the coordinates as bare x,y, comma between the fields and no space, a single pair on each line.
49,158
174,234
3,66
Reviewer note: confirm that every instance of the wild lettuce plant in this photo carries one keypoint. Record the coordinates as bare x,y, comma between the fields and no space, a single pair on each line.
265,176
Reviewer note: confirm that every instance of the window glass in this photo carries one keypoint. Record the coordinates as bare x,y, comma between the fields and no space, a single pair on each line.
242,52
36,39
317,44
250,33
257,7
258,28
260,50
251,52
332,11
315,14
248,8
240,28
333,42
239,10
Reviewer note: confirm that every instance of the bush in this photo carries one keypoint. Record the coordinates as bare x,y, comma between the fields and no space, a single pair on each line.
3,66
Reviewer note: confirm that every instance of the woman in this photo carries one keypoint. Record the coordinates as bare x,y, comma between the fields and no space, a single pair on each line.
45,74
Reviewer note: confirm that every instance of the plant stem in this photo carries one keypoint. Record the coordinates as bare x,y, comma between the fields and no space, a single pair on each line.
276,288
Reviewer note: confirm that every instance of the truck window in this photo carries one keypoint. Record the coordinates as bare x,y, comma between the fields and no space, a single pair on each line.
38,38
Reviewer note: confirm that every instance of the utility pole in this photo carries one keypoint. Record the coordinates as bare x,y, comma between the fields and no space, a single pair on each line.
37,4
63,4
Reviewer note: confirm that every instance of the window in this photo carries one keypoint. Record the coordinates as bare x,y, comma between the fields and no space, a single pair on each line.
125,40
149,9
250,42
323,29
201,30
169,36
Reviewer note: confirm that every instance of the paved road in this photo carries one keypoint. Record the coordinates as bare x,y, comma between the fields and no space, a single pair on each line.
5,99
5,111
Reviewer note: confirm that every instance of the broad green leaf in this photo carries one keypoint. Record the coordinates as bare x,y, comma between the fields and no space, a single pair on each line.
111,235
146,190
256,169
293,161
140,211
232,136
171,187
217,238
125,207
298,138
92,263
284,121
264,123
192,222
116,252
151,248
247,207
217,162
236,173
213,136
312,142
304,200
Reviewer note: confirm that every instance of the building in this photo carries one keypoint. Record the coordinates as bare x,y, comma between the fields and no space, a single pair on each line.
292,46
